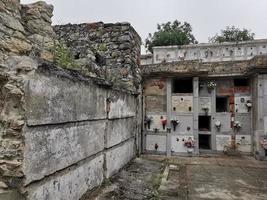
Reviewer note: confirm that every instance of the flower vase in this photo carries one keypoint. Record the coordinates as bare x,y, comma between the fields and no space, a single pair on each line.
190,150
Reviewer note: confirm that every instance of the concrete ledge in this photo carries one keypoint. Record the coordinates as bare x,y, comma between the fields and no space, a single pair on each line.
119,130
71,185
49,148
53,100
119,156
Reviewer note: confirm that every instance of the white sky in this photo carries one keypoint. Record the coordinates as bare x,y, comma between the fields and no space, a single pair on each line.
207,17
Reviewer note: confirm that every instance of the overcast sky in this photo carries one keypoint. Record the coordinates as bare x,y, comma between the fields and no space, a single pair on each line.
207,17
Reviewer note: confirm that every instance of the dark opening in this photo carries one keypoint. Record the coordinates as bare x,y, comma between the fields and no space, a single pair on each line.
182,86
77,56
241,82
266,152
204,141
204,123
100,60
222,104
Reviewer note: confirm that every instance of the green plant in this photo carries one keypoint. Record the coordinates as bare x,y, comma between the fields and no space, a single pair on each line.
63,57
175,33
232,34
102,47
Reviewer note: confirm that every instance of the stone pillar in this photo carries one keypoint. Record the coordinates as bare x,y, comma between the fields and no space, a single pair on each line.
195,115
169,110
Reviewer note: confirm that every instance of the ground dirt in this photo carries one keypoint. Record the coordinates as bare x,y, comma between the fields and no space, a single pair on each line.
187,178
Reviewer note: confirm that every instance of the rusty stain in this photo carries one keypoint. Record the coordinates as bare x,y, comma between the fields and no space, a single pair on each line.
232,99
226,91
232,108
159,83
242,89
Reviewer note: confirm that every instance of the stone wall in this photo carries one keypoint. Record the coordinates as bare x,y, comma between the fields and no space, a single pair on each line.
62,132
102,49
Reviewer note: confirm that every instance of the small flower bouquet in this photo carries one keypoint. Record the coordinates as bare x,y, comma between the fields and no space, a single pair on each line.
205,109
264,143
175,122
211,84
164,123
189,143
148,121
237,125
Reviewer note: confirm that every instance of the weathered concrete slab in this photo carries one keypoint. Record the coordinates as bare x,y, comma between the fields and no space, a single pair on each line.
52,100
244,143
49,149
119,130
245,120
71,185
121,105
177,143
225,119
156,103
185,126
160,140
204,105
222,141
119,156
155,87
156,122
240,104
182,104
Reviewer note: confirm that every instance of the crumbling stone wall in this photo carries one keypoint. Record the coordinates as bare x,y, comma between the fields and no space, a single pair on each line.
111,51
61,131
26,29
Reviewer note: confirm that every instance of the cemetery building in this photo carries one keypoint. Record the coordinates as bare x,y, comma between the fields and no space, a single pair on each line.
205,98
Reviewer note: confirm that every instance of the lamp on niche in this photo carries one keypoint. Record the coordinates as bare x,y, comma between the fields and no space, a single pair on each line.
237,125
249,105
163,122
156,146
205,109
218,125
148,121
175,123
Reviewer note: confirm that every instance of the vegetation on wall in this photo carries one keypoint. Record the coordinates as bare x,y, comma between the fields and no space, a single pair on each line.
170,33
63,57
232,34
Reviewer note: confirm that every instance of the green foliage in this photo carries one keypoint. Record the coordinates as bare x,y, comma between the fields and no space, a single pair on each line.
102,47
175,33
233,34
63,57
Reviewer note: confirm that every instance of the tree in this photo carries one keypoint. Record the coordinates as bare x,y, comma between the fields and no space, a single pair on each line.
233,34
175,33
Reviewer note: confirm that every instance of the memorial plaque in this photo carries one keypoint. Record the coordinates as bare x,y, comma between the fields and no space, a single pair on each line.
222,141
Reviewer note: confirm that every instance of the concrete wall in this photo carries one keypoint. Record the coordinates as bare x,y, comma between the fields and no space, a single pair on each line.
77,133
188,107
210,52
260,115
146,59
